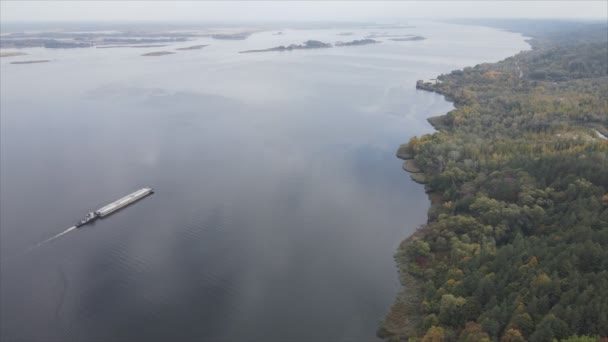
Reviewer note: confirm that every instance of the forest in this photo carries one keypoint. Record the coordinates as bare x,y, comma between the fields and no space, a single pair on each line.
516,243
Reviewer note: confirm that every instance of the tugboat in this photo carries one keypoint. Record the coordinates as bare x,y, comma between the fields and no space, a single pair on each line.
91,216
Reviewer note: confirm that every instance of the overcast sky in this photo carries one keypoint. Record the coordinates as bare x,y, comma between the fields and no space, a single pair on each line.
293,10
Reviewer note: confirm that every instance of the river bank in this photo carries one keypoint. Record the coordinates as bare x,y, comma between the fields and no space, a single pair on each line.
405,314
497,172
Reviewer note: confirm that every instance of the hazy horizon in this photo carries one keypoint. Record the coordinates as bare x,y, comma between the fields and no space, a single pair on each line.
294,11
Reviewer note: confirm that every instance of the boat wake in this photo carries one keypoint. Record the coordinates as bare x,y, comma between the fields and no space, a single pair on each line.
94,215
56,236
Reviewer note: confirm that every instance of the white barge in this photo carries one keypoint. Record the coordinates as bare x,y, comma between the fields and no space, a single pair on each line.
116,205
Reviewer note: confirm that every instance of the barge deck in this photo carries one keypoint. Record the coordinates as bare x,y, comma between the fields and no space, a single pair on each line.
115,206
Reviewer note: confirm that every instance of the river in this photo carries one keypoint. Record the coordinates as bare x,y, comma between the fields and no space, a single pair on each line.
279,201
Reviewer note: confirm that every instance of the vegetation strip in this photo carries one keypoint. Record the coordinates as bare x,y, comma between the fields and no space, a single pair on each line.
515,245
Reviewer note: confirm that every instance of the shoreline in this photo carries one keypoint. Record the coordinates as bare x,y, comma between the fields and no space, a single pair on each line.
404,316
506,168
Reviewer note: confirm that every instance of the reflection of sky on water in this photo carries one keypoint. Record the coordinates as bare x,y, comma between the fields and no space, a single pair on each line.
279,201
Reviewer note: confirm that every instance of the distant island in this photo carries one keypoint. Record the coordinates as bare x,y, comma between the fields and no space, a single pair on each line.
78,42
345,34
78,39
407,39
12,53
231,36
193,47
158,53
143,40
389,35
358,42
58,44
31,62
129,46
309,44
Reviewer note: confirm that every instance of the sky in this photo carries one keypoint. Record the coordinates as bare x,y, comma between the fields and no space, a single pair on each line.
11,10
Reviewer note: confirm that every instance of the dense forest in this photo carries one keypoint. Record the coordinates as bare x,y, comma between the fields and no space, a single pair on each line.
516,243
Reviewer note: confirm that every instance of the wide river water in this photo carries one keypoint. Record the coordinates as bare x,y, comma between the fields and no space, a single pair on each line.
279,201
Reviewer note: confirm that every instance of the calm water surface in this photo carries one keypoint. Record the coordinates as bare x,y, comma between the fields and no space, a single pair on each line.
279,203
